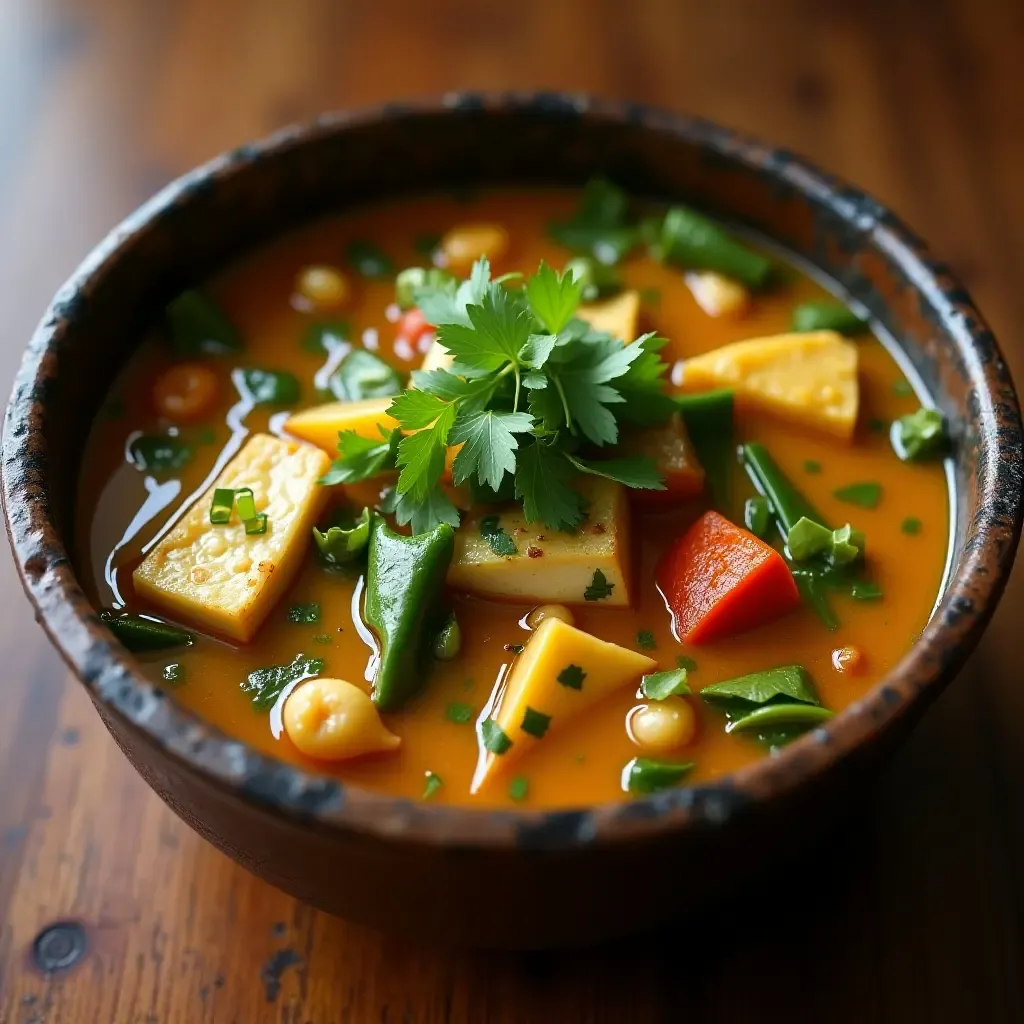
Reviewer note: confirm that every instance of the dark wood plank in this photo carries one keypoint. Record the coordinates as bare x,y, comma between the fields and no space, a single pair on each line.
915,912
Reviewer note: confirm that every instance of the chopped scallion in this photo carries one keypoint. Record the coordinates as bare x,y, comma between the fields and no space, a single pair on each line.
866,494
518,788
256,525
246,504
494,738
220,509
433,782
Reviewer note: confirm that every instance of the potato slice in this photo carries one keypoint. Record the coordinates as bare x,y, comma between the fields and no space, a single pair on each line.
806,378
562,673
220,578
549,567
321,424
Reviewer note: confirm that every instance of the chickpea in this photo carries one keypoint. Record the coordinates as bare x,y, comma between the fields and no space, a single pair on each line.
848,660
662,725
549,611
324,287
464,244
187,391
332,720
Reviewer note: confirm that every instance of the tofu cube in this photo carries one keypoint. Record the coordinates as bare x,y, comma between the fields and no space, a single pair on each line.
221,579
321,424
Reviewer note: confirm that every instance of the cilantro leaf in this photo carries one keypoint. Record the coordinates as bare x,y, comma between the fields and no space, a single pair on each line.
599,588
538,349
642,386
600,225
638,473
416,409
543,482
421,455
361,458
488,444
500,542
502,322
554,298
422,515
446,303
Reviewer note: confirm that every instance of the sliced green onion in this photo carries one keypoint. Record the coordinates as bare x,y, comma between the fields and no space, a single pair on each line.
847,545
709,422
258,524
246,504
789,504
494,737
459,712
827,316
223,502
433,782
807,538
518,788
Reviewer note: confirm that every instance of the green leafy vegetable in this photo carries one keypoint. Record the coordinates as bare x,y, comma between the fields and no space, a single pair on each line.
342,545
865,495
847,545
554,299
199,326
645,639
518,788
304,614
827,316
790,681
448,642
264,685
152,454
807,539
494,738
645,775
691,240
911,526
601,224
360,458
772,715
599,588
362,375
686,662
139,633
433,782
458,712
660,685
920,435
500,542
572,676
535,723
367,260
865,590
267,387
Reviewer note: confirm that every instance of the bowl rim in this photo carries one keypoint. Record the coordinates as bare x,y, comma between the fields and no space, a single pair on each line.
324,803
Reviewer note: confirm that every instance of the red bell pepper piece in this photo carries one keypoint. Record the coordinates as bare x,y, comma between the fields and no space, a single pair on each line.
718,579
412,326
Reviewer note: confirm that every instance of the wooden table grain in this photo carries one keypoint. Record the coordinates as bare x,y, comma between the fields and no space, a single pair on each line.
915,912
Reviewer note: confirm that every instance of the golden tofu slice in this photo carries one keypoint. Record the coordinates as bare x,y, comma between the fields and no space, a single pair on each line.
562,673
549,566
617,316
806,378
321,424
437,358
217,576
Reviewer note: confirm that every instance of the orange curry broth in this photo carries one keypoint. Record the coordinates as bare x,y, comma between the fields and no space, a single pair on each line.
582,764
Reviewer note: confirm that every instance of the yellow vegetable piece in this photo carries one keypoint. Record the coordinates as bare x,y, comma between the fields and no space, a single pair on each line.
562,673
437,358
617,316
806,378
332,720
662,725
321,424
324,287
717,294
464,244
219,577
549,567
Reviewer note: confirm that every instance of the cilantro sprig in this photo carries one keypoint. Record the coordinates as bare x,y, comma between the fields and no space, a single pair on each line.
531,388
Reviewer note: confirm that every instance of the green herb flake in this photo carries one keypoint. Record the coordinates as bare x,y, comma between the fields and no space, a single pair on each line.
877,425
267,387
515,648
902,389
199,326
322,638
572,676
661,685
599,588
304,614
494,738
812,466
174,673
518,788
686,662
152,454
368,260
911,526
645,639
432,783
256,525
264,685
789,682
535,723
920,435
645,775
865,590
865,495
500,542
324,336
458,712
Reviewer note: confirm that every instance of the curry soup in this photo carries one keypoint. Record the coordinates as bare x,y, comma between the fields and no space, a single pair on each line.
200,491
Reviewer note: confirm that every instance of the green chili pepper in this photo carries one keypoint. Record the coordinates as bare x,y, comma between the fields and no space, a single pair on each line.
827,316
404,579
645,775
781,714
709,422
789,504
140,634
693,241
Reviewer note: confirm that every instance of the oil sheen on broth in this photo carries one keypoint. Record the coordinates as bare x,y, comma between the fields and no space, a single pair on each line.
124,508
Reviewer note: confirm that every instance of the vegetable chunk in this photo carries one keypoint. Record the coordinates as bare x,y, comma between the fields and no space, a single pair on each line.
563,672
534,563
617,316
807,378
670,448
222,578
437,358
321,424
718,579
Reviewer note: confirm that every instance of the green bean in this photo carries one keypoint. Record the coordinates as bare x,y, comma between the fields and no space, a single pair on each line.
827,316
693,241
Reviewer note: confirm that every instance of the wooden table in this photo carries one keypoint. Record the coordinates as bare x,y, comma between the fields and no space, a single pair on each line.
915,913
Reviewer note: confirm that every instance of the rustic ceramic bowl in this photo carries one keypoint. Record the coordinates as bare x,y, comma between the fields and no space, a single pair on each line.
434,870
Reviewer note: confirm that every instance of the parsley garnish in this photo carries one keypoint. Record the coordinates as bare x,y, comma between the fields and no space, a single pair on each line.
530,382
645,639
265,684
599,588
458,712
518,788
572,676
304,614
501,543
494,737
535,723
670,683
